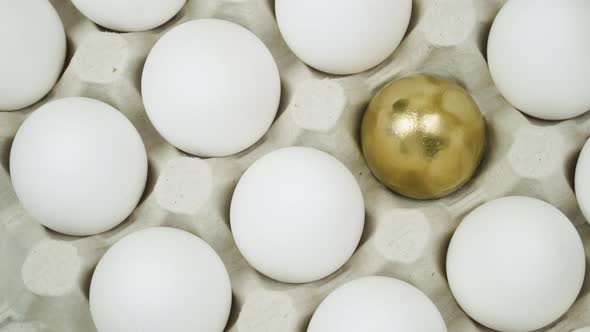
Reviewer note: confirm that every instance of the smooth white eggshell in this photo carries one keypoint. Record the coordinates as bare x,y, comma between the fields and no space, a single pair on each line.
582,180
538,55
78,166
377,304
585,329
129,15
297,214
160,279
343,37
33,50
211,87
516,264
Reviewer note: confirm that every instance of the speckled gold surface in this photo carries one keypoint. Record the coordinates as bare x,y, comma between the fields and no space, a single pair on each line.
423,136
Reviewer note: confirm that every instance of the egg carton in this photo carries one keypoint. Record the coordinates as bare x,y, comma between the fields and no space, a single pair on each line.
45,276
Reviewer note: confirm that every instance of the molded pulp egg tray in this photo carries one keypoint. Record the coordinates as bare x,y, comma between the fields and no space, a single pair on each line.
45,276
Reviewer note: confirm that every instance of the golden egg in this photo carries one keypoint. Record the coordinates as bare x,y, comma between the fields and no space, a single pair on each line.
423,136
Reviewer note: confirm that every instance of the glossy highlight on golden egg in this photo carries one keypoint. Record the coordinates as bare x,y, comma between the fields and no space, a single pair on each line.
423,136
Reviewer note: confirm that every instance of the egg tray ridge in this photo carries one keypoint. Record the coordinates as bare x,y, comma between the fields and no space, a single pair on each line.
45,276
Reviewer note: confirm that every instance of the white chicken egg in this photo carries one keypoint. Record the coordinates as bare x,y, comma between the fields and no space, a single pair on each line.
160,279
211,87
585,329
297,214
377,304
343,37
538,55
78,166
516,264
582,180
129,15
33,51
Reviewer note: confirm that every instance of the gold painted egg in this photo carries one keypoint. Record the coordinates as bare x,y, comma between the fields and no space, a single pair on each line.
423,136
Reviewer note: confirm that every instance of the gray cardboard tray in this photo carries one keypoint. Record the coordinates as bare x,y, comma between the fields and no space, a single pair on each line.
45,276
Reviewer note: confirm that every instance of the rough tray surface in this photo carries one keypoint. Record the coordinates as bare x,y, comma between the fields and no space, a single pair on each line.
44,276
